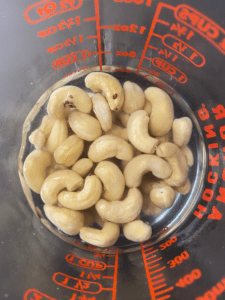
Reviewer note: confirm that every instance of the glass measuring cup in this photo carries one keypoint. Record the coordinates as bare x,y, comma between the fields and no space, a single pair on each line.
181,48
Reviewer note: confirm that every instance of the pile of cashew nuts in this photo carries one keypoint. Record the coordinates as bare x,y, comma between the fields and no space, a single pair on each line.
108,156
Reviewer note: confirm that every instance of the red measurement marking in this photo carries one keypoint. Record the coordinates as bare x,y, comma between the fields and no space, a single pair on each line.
214,292
149,46
138,2
106,27
184,49
71,58
163,22
215,215
67,43
85,263
90,19
130,28
33,294
151,262
189,278
202,25
47,8
178,259
168,243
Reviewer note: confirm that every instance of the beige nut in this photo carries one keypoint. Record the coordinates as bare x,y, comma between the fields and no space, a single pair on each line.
161,118
182,130
102,111
175,157
57,136
118,131
34,168
85,126
69,151
83,166
165,138
112,179
142,164
149,208
84,199
109,85
137,131
137,231
185,188
58,181
108,146
105,237
146,184
67,220
148,107
162,195
66,96
189,155
121,211
134,97
53,168
123,118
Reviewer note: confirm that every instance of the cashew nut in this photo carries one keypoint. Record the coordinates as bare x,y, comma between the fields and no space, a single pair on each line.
109,146
84,199
121,211
149,208
137,231
137,131
146,184
105,237
67,220
189,155
162,195
57,136
83,166
165,138
161,118
177,160
182,129
148,107
123,118
109,85
112,179
134,97
68,96
118,131
53,168
34,168
102,111
85,126
185,188
56,182
69,151
142,164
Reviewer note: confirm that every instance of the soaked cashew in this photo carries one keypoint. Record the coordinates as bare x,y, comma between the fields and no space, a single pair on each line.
105,237
162,195
121,211
67,220
118,131
189,155
177,160
142,164
68,96
83,166
109,146
34,168
58,181
161,118
85,126
84,199
109,85
134,97
102,111
69,151
182,129
185,188
112,179
57,136
137,131
137,231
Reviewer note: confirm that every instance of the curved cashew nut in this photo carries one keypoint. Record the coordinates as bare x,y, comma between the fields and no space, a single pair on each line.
121,211
162,195
118,131
67,220
57,136
112,179
137,131
111,87
83,166
109,146
185,188
56,182
137,231
102,111
149,208
177,160
69,151
34,168
134,97
182,129
142,164
105,237
84,199
68,96
189,155
161,118
148,107
85,126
